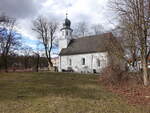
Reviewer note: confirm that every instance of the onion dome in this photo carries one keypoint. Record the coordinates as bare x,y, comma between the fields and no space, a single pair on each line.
67,23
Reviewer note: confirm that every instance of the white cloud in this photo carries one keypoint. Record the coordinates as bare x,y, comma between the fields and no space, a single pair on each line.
91,11
25,28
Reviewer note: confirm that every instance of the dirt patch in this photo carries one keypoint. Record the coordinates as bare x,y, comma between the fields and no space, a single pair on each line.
135,93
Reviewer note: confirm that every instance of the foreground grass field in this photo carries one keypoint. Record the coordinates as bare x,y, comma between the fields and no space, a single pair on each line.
59,93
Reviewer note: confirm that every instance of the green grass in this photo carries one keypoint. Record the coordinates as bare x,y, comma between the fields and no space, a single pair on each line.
59,93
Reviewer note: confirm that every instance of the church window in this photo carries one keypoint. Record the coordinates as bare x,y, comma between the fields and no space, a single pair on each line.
70,62
66,33
98,63
83,61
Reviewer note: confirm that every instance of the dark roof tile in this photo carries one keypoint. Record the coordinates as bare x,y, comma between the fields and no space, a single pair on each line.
90,44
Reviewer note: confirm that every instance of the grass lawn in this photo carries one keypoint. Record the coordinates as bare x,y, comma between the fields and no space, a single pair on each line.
59,93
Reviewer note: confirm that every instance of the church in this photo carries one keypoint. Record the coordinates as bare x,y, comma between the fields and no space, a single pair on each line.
84,54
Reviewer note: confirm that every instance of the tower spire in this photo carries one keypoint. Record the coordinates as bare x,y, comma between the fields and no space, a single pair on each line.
66,15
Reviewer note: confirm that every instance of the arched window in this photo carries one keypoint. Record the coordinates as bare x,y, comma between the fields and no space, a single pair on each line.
66,33
83,61
98,63
70,62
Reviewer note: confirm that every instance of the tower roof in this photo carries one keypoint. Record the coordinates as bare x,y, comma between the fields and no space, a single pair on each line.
67,23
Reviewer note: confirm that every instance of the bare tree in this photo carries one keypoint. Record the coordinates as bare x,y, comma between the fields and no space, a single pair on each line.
26,52
9,39
37,61
136,17
97,29
46,33
125,36
81,29
37,56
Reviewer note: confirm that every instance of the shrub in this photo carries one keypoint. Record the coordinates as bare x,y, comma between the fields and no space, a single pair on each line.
115,76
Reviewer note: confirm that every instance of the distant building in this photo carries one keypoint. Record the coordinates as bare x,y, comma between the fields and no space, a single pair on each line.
55,61
84,55
137,65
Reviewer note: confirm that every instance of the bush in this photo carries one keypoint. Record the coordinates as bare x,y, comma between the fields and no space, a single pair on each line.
115,76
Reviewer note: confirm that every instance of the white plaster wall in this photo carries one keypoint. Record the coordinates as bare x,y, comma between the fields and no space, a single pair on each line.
63,43
65,39
64,35
90,62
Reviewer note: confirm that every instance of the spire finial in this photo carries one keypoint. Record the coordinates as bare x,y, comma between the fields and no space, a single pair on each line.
66,15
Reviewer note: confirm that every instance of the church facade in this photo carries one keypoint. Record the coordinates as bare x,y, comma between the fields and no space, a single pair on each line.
83,55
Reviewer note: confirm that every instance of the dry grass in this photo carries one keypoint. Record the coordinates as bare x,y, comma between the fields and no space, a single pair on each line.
59,93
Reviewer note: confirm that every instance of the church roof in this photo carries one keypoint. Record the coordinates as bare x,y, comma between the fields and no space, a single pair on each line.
89,44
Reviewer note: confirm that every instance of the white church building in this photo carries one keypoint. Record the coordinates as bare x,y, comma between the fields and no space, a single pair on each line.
83,55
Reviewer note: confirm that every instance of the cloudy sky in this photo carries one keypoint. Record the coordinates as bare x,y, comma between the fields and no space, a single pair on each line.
91,11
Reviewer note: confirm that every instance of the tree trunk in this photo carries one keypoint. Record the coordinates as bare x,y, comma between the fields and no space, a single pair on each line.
50,65
145,73
37,65
5,64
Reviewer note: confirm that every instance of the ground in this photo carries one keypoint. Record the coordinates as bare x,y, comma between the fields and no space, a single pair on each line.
59,93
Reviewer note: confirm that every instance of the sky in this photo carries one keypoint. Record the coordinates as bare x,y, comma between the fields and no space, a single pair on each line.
25,11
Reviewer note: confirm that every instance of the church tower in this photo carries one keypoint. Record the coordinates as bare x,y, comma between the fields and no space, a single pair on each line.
66,34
